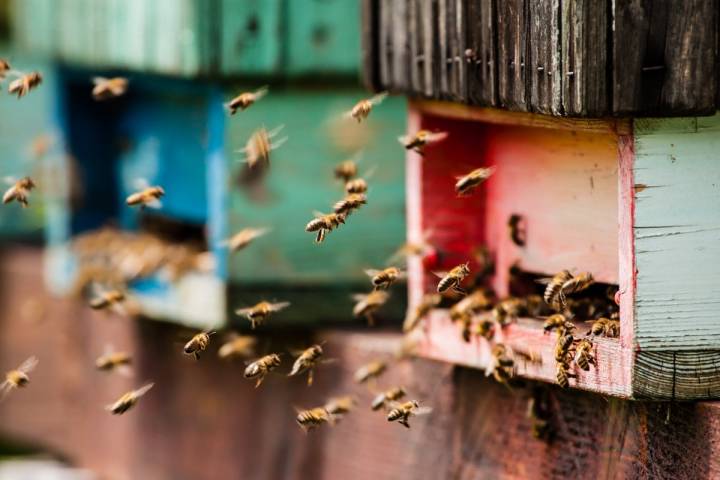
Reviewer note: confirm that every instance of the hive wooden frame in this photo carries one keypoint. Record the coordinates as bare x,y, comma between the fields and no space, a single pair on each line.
623,368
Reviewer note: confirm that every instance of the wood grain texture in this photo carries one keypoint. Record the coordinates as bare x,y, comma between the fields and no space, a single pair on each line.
664,57
417,48
677,234
585,88
370,51
385,43
544,81
482,62
511,20
400,46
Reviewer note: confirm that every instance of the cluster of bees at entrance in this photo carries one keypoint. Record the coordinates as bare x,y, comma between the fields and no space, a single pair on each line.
109,259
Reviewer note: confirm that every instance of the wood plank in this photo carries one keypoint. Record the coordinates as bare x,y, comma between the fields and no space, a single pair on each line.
370,35
400,46
417,48
431,53
544,81
460,64
511,18
584,57
664,57
482,64
385,44
444,46
677,234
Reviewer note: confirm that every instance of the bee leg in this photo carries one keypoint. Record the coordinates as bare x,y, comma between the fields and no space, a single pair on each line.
370,319
259,381
252,323
404,423
310,377
196,355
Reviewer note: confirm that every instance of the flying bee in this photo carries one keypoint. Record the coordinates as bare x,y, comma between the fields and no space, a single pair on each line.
306,362
575,284
583,354
367,303
107,88
502,366
129,400
554,285
18,378
517,230
323,223
539,414
370,371
562,348
245,100
415,316
24,83
421,139
147,196
106,299
350,203
244,237
356,186
466,184
562,374
258,313
313,418
19,191
241,346
261,367
4,68
402,412
362,109
558,322
383,399
258,147
111,360
340,405
382,279
197,344
346,170
453,279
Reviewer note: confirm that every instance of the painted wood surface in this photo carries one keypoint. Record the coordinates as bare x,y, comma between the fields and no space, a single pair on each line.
478,429
677,233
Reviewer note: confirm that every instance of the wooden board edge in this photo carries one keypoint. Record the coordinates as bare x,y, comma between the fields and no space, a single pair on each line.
676,375
627,271
459,111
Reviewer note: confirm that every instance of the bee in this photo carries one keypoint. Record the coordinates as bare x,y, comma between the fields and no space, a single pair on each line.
502,367
4,68
110,360
340,405
147,197
562,374
306,362
323,223
197,344
245,100
106,299
508,310
129,400
258,313
367,304
539,415
421,139
466,327
475,302
346,170
383,399
554,285
362,109
350,203
313,418
22,85
382,279
370,371
356,186
258,147
562,347
415,316
413,249
485,328
583,354
466,184
18,378
243,238
19,191
241,346
559,322
605,326
575,284
261,367
107,88
453,278
516,229
403,411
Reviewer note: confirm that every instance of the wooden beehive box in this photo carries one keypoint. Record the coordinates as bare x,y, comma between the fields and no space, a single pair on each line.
637,203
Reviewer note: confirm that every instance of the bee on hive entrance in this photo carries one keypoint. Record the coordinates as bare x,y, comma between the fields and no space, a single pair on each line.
128,400
452,279
243,238
107,88
502,366
261,367
558,322
197,344
245,100
554,285
466,184
367,303
605,326
370,371
24,83
517,230
362,109
423,308
19,191
382,279
258,313
18,378
421,139
385,398
402,412
306,362
583,354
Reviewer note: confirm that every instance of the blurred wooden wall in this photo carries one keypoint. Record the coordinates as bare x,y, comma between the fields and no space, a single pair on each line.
203,420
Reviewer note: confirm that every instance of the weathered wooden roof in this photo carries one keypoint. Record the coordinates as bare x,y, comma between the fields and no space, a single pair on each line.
588,58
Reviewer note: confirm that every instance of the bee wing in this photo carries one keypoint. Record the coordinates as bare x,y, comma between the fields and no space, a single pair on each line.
318,214
140,183
422,411
261,92
377,99
243,312
358,297
5,388
99,80
144,389
436,137
405,139
275,131
276,307
370,172
28,365
371,272
278,143
440,274
259,232
107,349
543,281
125,371
155,203
9,180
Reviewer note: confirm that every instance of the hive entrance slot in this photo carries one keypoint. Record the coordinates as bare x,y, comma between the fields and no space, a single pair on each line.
174,231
